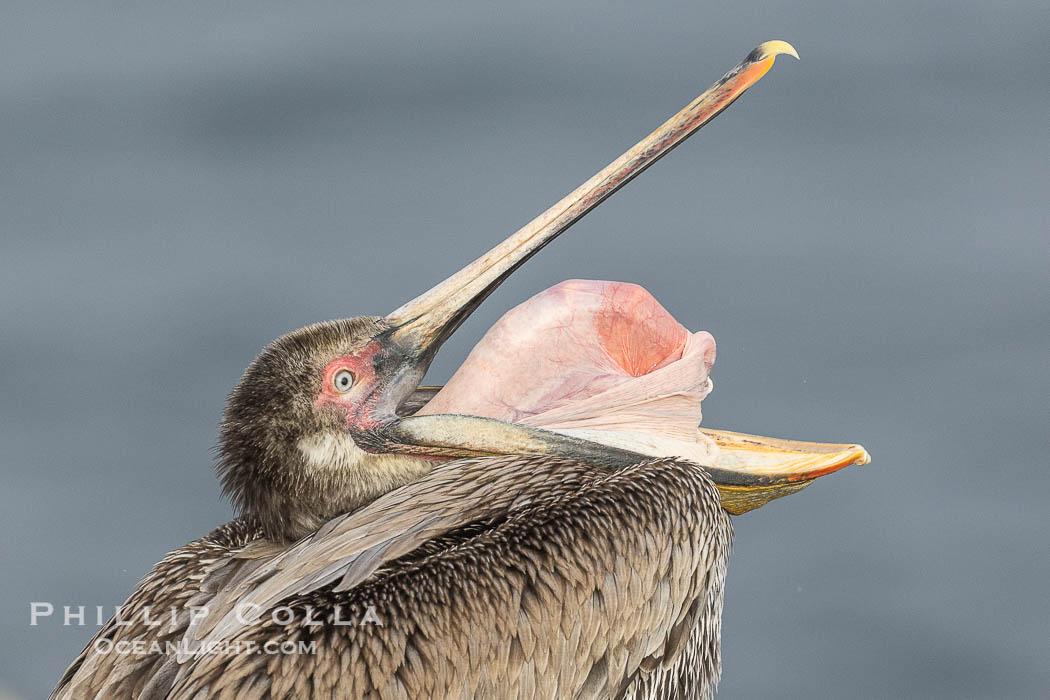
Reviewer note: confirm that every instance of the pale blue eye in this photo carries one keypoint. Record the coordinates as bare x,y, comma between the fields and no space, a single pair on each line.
343,380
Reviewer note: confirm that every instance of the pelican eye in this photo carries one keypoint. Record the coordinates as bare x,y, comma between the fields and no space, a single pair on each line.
343,380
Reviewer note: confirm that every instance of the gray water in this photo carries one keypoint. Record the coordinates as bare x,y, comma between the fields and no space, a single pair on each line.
865,233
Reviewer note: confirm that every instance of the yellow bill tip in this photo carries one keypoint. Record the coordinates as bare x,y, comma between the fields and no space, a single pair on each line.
785,466
772,49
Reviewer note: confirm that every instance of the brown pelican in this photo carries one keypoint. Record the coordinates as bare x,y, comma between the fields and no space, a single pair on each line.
550,524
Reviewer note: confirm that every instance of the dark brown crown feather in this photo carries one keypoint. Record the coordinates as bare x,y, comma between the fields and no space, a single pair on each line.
272,407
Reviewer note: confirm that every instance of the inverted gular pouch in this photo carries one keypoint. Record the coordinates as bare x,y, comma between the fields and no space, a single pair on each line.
599,360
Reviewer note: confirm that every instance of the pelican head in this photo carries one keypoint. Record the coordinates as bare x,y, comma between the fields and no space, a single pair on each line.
322,421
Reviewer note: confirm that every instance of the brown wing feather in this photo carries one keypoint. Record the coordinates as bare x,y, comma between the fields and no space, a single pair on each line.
175,582
587,584
351,548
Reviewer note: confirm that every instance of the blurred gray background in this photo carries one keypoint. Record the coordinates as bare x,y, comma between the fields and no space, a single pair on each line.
865,233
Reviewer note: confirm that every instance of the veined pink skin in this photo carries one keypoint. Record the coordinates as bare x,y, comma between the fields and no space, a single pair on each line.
587,355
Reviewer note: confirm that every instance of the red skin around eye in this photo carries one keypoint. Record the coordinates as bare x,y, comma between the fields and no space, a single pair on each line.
359,401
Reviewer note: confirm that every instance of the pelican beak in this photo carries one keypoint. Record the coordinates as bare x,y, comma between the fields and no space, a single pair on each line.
751,470
419,327
456,436
424,323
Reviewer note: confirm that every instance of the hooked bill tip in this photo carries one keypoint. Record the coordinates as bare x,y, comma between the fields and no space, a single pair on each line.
771,49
